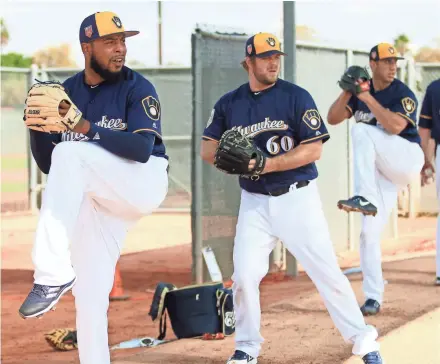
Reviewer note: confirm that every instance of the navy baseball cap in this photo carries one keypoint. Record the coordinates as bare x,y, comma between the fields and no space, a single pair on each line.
101,24
263,45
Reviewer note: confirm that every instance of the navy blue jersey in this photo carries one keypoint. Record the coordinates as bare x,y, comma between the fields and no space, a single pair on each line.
278,119
430,112
398,98
129,105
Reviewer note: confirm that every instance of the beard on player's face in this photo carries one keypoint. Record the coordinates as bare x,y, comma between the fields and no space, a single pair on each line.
103,71
265,77
267,70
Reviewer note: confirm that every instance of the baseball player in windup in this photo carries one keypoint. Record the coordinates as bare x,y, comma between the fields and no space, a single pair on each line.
387,154
269,132
98,137
429,129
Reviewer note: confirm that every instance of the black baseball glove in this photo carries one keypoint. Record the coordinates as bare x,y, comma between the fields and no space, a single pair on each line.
355,80
235,151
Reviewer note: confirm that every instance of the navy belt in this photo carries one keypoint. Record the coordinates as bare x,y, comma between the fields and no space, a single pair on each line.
285,189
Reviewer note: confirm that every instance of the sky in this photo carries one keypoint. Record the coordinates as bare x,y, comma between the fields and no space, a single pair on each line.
357,24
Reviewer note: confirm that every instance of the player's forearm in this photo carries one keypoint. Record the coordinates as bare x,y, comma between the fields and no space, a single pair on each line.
338,111
42,146
392,122
207,150
428,144
300,156
136,147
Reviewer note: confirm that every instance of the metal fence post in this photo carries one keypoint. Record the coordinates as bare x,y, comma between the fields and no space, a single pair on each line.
350,174
197,165
290,75
32,166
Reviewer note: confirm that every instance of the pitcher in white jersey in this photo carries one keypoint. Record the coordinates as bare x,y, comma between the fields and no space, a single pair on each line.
387,156
284,202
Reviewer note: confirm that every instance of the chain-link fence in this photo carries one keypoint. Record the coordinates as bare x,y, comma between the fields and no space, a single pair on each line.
425,74
14,144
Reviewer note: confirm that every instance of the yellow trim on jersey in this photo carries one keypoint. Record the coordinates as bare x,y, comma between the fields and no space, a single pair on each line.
425,117
314,138
349,109
407,118
208,138
154,131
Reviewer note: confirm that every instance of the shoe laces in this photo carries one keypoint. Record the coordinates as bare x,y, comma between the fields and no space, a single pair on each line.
40,290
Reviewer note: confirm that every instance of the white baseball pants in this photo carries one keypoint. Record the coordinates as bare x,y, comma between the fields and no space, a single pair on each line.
297,219
91,199
383,163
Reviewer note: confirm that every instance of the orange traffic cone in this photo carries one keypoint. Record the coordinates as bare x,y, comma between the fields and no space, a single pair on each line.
117,292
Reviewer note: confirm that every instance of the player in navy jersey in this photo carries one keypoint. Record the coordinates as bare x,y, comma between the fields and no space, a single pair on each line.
429,129
102,178
284,202
387,156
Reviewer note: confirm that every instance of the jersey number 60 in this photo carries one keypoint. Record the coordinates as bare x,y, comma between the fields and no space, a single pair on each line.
274,147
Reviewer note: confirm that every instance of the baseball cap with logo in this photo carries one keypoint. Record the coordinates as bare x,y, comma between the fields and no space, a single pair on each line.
100,25
384,51
263,45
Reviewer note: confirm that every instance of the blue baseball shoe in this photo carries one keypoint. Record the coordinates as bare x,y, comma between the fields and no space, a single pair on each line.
240,357
42,299
358,204
373,358
370,307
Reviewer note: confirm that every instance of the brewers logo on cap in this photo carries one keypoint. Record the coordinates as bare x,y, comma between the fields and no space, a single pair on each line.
263,45
101,24
383,51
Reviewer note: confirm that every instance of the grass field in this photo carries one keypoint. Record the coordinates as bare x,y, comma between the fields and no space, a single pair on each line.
14,174
13,187
13,163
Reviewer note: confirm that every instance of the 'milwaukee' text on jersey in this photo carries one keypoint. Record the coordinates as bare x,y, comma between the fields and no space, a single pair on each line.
278,119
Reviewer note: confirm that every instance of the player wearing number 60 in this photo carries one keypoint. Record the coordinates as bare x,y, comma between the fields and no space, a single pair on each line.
278,124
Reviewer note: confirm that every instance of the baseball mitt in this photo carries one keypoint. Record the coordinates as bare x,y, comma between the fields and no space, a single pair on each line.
235,151
62,339
355,80
49,109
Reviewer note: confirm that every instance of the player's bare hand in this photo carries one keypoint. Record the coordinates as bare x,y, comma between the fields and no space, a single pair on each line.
82,127
63,108
252,164
364,95
427,174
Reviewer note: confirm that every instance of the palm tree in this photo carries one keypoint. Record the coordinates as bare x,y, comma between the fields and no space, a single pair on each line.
4,34
401,43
